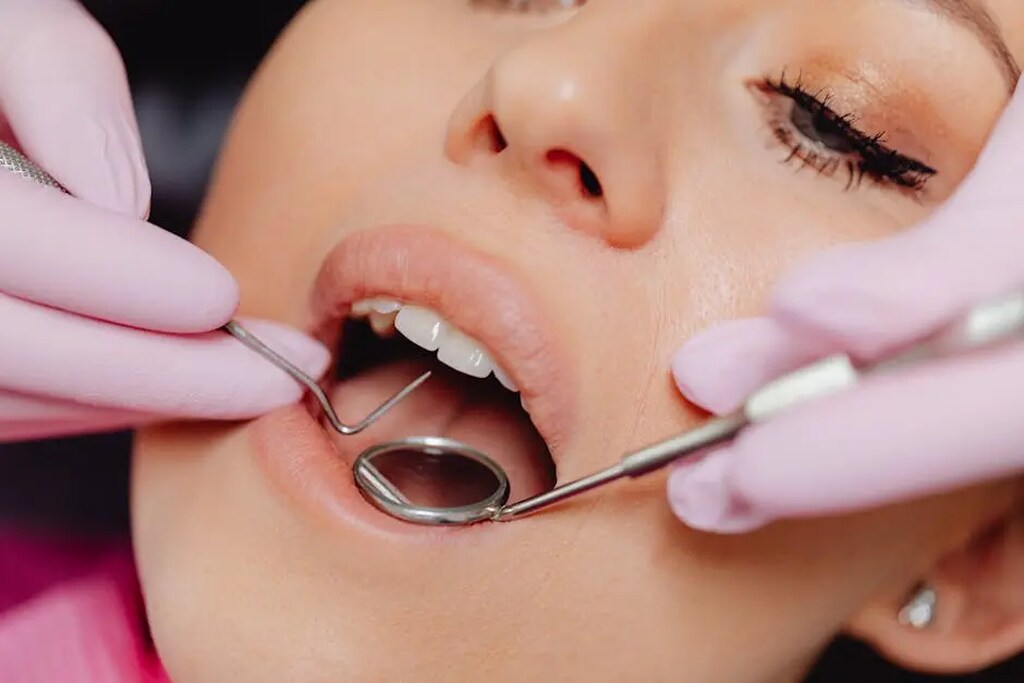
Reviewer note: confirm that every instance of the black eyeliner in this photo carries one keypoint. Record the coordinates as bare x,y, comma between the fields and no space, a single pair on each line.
869,155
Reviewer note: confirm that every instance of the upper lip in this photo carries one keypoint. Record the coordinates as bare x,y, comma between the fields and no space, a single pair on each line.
473,291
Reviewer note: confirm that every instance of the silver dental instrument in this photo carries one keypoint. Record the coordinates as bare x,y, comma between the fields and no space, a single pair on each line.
246,337
994,323
13,161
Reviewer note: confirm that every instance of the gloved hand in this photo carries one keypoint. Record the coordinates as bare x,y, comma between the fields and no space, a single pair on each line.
934,428
94,301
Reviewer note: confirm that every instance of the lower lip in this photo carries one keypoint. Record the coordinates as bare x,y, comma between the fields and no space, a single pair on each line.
303,463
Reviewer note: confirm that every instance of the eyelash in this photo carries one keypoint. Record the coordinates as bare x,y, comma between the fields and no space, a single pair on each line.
524,6
840,145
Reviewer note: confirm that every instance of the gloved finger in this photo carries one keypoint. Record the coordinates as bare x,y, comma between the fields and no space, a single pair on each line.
18,408
65,94
62,252
918,432
47,352
872,298
718,369
112,421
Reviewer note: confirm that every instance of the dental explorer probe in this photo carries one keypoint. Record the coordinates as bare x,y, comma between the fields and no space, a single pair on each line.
246,337
13,161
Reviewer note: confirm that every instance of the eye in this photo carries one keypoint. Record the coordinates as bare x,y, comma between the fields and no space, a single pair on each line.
537,6
815,124
818,137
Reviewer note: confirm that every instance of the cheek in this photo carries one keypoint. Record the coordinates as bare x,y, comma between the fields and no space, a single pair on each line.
727,254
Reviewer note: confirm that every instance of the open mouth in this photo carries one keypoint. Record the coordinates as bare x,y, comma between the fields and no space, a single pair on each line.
385,343
388,330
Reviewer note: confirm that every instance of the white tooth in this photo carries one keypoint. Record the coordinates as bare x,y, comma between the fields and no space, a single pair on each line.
421,326
464,354
362,308
522,402
385,305
383,324
505,380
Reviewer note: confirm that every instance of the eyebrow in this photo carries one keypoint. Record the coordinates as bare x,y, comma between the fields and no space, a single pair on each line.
974,17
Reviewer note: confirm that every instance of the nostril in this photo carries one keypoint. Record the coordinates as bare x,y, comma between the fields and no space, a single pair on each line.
491,132
588,179
500,143
589,185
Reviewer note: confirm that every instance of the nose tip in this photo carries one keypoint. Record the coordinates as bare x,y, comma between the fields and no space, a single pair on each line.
559,131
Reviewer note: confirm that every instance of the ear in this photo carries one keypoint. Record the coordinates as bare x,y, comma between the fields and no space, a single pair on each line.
979,609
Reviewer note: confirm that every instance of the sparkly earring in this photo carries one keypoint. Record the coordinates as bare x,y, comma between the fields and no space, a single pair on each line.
919,612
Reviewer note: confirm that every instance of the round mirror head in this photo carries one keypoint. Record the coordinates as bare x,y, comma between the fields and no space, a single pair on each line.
431,480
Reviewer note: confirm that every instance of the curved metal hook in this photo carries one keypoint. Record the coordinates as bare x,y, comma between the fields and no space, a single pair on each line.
243,335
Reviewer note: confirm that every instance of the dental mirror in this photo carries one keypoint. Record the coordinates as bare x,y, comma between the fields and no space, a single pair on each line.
432,480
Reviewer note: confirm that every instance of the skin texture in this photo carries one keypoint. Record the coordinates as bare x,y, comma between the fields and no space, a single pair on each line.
370,119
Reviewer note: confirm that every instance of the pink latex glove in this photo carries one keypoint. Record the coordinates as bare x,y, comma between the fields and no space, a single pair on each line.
930,429
105,320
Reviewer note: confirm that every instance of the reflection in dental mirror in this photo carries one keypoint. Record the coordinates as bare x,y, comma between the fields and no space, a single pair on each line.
431,480
435,480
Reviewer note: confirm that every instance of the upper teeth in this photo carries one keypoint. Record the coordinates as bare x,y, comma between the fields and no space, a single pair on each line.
429,330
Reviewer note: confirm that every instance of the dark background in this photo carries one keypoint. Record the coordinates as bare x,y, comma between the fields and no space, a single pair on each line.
188,61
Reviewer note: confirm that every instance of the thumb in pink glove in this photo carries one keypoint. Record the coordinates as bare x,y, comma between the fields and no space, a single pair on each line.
922,431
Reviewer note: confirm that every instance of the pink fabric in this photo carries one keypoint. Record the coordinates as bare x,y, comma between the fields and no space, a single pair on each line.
73,614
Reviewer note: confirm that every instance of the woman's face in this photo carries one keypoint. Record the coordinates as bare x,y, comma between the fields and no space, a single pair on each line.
578,187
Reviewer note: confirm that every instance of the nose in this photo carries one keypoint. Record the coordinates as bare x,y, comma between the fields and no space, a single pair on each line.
554,116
